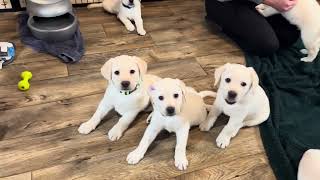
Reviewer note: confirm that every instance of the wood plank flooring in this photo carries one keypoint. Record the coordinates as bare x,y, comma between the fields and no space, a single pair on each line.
38,128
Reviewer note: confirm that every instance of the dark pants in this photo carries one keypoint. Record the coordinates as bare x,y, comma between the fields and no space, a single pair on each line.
250,30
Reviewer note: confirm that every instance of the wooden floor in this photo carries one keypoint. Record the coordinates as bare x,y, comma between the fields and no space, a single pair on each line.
38,128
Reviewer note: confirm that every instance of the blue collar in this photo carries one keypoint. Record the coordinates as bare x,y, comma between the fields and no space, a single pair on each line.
126,6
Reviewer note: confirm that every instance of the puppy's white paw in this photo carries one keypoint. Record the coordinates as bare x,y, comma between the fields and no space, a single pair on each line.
205,126
130,27
223,141
260,8
181,162
134,157
86,128
307,59
115,133
304,51
141,32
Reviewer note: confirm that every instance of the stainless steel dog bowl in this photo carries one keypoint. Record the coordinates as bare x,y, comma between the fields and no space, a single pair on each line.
58,28
51,20
48,8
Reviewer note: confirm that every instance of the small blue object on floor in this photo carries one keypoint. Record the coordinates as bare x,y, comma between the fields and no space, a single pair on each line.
69,51
7,53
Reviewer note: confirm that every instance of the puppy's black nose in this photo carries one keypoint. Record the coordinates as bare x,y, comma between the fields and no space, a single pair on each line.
125,84
232,95
170,110
131,1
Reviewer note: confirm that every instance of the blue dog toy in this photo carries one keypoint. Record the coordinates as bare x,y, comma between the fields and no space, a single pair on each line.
7,53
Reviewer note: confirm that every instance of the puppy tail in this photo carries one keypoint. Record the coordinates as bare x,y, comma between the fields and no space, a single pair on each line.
95,5
204,94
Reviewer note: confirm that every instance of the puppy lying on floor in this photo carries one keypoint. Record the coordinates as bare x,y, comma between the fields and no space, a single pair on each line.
126,10
240,97
175,108
126,93
306,15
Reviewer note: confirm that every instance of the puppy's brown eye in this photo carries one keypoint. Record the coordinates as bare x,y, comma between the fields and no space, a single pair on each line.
228,80
116,72
132,71
176,96
161,98
243,84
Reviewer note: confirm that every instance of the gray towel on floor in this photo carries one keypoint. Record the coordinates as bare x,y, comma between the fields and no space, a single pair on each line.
69,51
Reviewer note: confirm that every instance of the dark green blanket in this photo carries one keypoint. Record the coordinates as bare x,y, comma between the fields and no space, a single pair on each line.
293,88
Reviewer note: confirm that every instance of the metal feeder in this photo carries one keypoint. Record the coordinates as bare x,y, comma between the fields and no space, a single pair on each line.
51,20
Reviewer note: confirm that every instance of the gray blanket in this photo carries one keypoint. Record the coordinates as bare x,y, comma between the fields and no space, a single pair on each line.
69,51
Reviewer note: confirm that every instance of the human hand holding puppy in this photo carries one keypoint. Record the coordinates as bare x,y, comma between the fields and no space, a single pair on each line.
281,5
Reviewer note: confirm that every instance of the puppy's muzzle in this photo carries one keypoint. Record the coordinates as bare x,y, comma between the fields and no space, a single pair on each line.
170,111
231,99
125,85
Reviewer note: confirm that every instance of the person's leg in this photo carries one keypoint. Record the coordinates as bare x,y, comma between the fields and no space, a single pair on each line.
287,33
242,23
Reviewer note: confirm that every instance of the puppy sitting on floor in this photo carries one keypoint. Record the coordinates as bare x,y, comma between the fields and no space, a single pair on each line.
126,10
306,15
240,97
175,108
126,93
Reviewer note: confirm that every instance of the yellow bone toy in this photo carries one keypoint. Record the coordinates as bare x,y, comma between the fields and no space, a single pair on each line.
24,84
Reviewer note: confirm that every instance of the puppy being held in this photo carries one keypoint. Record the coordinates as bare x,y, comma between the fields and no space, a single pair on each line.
126,93
126,11
306,15
240,97
175,108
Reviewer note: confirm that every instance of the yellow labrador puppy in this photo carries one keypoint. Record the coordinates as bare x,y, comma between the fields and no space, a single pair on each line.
240,97
126,93
306,15
175,108
126,10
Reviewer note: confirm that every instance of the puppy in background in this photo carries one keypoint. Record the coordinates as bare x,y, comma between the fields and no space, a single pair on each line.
126,11
175,108
126,93
240,97
306,15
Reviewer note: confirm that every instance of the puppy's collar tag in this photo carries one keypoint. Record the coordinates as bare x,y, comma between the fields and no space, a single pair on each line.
130,92
126,6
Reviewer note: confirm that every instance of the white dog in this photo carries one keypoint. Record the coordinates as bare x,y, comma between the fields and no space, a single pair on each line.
126,93
126,10
240,97
306,15
176,109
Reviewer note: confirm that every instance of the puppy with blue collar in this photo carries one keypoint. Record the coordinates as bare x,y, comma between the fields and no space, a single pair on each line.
126,10
126,93
176,108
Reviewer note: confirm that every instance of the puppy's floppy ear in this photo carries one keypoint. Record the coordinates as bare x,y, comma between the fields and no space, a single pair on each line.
254,79
218,72
143,66
183,88
107,68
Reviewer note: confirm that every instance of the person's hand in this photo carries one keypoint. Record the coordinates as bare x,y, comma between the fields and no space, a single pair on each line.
281,5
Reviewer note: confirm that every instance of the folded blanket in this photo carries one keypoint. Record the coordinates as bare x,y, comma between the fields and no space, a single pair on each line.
69,51
293,88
